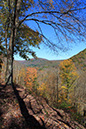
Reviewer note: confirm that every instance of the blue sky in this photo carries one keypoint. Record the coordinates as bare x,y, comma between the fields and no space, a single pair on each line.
50,55
46,53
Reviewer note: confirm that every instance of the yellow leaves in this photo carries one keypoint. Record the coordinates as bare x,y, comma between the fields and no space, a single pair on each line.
67,70
62,94
68,75
41,89
63,87
66,63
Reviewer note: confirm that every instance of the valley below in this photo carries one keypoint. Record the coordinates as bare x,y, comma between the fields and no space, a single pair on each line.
42,98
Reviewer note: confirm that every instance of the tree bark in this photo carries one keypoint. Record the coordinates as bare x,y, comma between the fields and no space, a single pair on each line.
9,69
10,55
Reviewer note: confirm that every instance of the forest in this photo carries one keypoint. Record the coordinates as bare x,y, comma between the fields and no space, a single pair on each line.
39,93
61,83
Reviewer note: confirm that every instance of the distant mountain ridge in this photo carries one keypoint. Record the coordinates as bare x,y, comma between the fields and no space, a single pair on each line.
79,60
40,62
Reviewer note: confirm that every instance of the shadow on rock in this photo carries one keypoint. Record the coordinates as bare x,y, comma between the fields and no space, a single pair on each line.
31,122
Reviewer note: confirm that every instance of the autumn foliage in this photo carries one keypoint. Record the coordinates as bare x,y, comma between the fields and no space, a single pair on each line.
48,85
68,75
30,79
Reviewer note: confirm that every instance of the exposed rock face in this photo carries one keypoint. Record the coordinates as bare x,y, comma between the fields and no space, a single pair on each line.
52,118
41,115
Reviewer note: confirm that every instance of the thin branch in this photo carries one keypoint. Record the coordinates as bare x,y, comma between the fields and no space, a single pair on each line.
77,20
49,44
39,27
36,13
49,12
54,25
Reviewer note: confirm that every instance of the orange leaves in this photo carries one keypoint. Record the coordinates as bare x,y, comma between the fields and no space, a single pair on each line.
31,76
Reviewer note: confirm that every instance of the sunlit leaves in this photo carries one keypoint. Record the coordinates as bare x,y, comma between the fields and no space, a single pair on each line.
42,89
68,75
30,79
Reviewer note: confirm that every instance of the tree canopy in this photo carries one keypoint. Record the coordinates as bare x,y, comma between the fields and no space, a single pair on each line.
68,75
64,16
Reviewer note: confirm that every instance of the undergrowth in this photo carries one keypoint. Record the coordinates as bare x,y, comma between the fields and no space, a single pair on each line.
73,113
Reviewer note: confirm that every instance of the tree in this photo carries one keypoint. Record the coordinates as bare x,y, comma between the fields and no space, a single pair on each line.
68,75
48,85
30,79
64,16
79,96
15,39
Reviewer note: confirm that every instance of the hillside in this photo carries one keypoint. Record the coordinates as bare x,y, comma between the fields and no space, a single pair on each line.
21,110
80,60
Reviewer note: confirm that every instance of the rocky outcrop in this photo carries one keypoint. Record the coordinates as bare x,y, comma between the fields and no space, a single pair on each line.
52,118
40,114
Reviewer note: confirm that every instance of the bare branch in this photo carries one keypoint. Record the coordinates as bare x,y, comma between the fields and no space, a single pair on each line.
50,12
